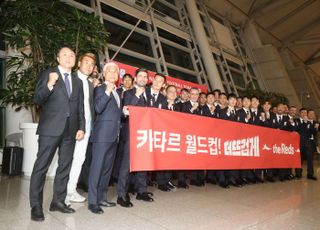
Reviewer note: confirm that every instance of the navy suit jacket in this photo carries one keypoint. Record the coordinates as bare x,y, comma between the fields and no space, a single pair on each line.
57,107
106,127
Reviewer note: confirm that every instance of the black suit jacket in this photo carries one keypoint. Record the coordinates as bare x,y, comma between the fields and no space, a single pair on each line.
160,103
106,127
242,115
230,117
56,106
205,111
186,107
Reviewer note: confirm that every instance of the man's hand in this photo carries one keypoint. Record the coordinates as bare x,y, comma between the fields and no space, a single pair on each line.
110,87
79,135
53,77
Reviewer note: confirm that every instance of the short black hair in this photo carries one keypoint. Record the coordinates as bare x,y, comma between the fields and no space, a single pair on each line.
303,109
170,86
202,93
246,97
127,75
223,94
161,75
141,70
210,93
216,90
232,95
184,89
254,97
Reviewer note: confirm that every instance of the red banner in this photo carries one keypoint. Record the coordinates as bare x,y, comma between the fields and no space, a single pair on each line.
180,84
167,140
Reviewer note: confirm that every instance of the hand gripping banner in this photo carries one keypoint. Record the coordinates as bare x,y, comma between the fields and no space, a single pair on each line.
167,140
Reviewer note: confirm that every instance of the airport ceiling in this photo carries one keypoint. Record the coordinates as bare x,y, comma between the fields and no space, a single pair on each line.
292,24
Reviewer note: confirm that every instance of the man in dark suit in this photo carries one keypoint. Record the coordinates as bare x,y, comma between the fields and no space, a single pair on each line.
86,65
208,110
192,107
282,122
104,138
127,83
184,97
62,122
229,177
137,97
305,129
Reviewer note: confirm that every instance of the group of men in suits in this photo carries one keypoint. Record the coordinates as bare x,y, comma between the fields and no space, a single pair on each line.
88,122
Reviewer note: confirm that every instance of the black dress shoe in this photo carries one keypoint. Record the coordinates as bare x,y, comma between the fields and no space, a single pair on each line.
124,202
182,184
95,209
37,213
171,185
144,196
224,185
107,204
61,207
163,188
291,177
311,177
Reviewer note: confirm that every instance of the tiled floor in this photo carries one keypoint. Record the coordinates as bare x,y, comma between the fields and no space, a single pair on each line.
290,205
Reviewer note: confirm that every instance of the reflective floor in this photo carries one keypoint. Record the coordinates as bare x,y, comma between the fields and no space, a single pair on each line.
282,205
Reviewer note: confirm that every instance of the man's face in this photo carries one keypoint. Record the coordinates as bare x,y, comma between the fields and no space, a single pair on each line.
280,109
194,95
127,82
142,79
266,106
184,95
86,65
303,113
203,99
246,103
293,111
66,58
311,115
158,83
216,96
285,109
111,74
223,99
232,101
210,99
171,93
254,103
239,103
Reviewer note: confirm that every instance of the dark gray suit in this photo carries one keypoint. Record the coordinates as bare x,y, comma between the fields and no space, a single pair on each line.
60,119
104,138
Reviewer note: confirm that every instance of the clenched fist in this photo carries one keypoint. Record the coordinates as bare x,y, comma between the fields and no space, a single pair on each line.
53,77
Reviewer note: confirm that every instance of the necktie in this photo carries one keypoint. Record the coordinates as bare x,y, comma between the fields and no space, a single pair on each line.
247,112
67,83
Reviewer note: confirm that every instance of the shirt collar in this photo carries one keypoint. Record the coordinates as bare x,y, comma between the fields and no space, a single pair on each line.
63,71
81,75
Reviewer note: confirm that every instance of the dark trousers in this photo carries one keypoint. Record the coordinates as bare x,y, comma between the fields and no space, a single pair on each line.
103,154
124,170
47,148
163,177
306,151
85,170
197,175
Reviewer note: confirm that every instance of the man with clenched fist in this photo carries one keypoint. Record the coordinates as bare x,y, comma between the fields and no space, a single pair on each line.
62,122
